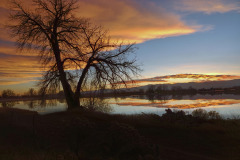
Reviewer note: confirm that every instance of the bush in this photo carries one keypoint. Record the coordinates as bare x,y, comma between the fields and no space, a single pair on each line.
203,114
200,113
175,115
214,115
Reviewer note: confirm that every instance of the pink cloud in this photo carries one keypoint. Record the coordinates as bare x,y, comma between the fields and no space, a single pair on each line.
208,6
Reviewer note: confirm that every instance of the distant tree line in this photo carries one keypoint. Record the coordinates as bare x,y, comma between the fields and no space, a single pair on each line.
163,89
31,93
150,91
157,90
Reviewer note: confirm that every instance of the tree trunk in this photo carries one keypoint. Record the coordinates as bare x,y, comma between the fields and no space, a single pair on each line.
80,82
72,101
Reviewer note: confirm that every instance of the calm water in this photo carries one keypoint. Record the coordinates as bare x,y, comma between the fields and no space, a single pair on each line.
226,105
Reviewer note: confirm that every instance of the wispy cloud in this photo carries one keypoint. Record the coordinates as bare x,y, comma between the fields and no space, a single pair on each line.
16,81
18,69
208,6
144,81
198,68
128,20
183,78
134,22
201,77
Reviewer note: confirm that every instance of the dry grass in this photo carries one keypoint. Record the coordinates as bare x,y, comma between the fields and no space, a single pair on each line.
87,135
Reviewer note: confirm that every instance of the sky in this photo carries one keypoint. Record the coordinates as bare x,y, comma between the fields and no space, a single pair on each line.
173,37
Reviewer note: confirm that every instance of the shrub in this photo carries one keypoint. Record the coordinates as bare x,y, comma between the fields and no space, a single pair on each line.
200,113
175,115
213,115
203,114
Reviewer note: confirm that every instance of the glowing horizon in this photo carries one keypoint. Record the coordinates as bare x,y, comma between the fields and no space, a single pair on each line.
181,78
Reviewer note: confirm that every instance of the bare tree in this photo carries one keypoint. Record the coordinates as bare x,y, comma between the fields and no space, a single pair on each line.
31,92
75,51
8,93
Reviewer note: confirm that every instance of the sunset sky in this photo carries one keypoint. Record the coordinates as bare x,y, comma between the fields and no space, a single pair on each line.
181,37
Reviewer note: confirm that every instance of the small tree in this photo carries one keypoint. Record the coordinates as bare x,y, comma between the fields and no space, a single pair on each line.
150,90
8,93
31,92
65,43
161,89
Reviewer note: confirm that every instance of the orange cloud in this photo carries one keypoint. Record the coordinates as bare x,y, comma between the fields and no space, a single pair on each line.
12,50
16,81
144,81
183,78
130,21
18,69
202,77
213,69
208,6
126,19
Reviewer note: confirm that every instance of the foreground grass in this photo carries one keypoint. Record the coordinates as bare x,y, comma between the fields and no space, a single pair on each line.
87,135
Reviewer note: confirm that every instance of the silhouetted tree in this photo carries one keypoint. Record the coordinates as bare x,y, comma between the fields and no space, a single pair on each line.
66,42
31,92
161,89
150,92
177,88
8,93
8,104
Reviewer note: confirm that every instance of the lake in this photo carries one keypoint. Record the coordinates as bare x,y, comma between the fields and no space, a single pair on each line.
227,106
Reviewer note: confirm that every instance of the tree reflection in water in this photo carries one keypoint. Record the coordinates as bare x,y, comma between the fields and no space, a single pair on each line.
42,103
48,103
30,104
62,100
94,103
158,97
9,104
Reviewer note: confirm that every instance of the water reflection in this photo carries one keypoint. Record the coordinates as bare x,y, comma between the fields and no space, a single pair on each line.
42,106
224,104
42,103
45,106
228,106
205,103
96,104
30,104
179,104
8,104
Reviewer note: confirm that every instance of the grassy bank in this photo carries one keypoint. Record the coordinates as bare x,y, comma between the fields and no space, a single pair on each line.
87,135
